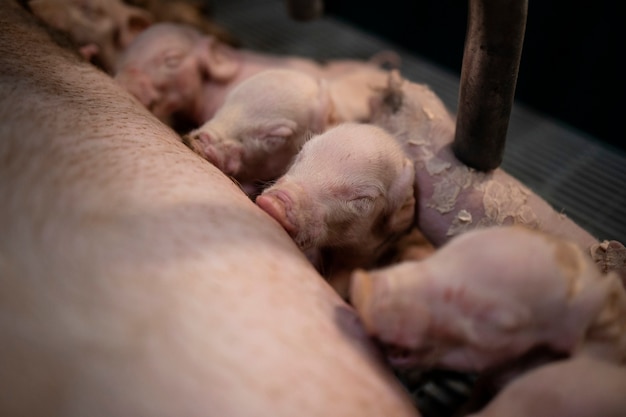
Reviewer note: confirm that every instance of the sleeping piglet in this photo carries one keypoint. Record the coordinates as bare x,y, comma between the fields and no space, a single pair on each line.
263,123
346,197
266,119
490,296
183,76
454,198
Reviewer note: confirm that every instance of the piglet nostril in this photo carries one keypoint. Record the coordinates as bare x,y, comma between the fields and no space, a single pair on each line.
204,144
277,204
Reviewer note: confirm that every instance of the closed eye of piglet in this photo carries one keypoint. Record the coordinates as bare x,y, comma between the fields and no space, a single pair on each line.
269,116
348,194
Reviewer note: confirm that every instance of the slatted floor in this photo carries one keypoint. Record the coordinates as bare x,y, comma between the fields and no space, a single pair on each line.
577,174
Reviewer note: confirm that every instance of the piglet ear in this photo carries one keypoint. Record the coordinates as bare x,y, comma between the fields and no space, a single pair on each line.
219,61
277,134
401,198
280,131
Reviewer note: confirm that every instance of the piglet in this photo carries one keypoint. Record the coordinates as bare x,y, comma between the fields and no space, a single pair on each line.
345,199
454,198
183,76
263,123
490,296
582,386
266,119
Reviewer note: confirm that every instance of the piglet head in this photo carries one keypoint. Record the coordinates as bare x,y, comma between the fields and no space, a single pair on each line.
248,151
267,118
392,306
164,67
350,188
101,29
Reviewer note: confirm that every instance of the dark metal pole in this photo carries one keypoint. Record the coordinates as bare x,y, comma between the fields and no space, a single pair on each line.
493,48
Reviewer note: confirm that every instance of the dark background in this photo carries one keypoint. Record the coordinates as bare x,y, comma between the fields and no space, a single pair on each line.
572,62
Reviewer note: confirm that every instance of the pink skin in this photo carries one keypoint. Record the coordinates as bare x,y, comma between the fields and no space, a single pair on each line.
166,72
101,28
114,271
196,81
281,109
452,311
451,198
137,280
579,387
352,92
347,196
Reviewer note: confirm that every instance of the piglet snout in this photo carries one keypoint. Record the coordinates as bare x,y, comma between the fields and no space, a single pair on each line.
226,156
277,204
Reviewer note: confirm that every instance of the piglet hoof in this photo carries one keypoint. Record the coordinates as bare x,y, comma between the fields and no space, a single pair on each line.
275,204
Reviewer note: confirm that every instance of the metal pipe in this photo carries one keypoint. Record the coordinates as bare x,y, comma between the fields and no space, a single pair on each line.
305,10
493,48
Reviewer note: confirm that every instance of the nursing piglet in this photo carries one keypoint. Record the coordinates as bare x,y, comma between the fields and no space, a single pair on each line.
490,296
266,119
263,123
345,199
183,76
